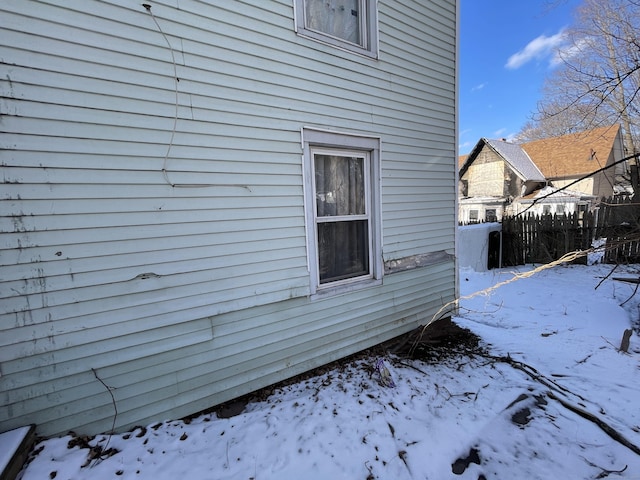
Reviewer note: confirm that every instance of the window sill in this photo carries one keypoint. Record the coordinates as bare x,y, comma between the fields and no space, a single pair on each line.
335,43
333,291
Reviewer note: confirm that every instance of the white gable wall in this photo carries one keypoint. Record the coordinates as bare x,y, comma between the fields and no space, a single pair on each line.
153,229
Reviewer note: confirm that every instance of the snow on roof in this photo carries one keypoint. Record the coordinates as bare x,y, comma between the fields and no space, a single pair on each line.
554,193
518,159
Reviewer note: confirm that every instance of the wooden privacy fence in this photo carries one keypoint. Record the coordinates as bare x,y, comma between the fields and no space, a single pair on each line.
542,239
618,220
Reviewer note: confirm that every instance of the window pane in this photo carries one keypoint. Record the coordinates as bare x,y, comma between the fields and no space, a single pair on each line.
343,250
338,18
339,185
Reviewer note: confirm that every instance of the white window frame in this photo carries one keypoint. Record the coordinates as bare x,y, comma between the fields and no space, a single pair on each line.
368,27
338,143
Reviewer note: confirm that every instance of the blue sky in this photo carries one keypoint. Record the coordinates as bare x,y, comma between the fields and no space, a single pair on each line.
506,50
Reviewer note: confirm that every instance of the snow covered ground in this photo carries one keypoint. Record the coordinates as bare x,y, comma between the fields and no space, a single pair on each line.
544,402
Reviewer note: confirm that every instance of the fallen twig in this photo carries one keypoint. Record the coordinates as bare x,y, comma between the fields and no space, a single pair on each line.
535,375
605,473
405,364
627,280
605,427
607,276
635,290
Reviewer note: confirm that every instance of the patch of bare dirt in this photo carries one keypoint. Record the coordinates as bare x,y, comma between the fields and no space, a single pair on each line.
441,341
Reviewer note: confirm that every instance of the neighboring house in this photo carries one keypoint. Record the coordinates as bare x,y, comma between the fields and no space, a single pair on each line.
551,200
492,176
201,199
499,177
568,158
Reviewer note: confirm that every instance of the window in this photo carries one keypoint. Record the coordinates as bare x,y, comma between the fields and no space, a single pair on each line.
473,216
349,24
490,215
582,208
343,213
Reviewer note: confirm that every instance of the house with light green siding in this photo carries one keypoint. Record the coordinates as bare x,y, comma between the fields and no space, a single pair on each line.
202,198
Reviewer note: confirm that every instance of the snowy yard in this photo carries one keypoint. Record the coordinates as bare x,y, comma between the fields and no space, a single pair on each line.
546,395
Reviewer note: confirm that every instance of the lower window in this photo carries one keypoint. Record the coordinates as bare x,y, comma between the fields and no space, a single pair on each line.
343,222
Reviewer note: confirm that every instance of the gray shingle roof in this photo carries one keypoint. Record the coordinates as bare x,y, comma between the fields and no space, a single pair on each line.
517,159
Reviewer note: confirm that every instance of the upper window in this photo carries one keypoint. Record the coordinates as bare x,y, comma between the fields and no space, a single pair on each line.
349,24
343,217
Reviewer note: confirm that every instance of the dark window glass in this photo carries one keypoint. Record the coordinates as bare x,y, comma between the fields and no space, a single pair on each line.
339,185
343,250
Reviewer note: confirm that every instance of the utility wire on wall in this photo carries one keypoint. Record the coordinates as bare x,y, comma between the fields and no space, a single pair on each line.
176,79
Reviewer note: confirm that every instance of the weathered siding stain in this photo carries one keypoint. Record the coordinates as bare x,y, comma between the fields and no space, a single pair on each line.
152,213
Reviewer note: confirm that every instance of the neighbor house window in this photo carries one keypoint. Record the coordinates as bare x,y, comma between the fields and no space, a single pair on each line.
490,215
473,216
349,24
582,208
343,214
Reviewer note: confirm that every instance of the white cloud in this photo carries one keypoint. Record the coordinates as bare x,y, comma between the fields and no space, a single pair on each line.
567,51
479,87
537,49
465,147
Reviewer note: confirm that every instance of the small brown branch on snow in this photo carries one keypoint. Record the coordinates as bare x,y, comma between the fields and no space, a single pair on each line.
537,376
634,292
604,473
584,359
405,364
607,276
605,427
627,280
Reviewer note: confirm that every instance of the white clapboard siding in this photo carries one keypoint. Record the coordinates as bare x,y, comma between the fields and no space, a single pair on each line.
152,209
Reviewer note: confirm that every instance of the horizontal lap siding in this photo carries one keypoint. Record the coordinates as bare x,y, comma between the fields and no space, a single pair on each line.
419,177
288,336
157,236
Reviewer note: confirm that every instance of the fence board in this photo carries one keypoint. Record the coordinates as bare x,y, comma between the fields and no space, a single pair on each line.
542,239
